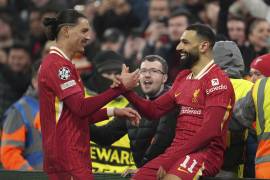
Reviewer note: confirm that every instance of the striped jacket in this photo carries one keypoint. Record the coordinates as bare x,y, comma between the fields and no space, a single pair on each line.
21,146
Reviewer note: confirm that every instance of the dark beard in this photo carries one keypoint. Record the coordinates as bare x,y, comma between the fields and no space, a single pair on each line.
189,61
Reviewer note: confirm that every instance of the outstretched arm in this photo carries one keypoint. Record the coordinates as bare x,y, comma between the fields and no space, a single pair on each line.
126,113
153,110
82,106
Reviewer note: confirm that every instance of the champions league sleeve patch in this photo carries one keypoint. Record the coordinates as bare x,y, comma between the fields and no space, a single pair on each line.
64,73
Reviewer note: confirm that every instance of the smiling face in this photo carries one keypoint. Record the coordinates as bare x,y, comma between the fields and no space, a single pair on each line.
188,48
152,77
236,31
18,60
255,75
157,9
176,27
260,34
79,35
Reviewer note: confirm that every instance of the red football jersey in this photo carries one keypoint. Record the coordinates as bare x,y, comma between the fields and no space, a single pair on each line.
210,88
65,135
196,98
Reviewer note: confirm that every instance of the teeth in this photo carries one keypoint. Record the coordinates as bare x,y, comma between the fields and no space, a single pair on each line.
147,82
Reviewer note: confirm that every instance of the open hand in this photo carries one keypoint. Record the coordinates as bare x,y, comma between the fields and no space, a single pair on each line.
129,80
128,113
116,81
128,172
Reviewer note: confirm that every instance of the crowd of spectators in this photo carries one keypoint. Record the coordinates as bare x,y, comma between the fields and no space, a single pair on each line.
131,28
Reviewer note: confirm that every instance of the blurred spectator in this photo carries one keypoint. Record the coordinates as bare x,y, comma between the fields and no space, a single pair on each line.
196,8
3,3
140,9
158,13
89,9
3,56
228,56
165,45
258,8
116,14
258,37
105,64
36,33
260,67
40,3
21,146
158,9
112,40
6,36
133,48
237,30
211,11
255,107
14,76
19,59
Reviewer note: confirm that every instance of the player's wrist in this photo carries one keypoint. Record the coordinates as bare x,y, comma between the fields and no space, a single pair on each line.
110,111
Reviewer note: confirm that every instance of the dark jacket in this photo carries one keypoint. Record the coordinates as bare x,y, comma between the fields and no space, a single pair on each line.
147,141
13,86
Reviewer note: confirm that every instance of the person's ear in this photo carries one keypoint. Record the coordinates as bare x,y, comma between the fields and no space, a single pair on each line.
66,31
165,78
204,46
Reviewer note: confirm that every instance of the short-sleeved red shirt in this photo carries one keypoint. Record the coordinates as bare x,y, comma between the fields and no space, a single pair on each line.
65,135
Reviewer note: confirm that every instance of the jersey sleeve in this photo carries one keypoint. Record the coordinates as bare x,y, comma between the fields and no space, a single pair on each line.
63,79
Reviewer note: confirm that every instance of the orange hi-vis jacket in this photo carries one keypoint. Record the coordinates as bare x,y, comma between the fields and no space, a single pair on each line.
261,98
21,145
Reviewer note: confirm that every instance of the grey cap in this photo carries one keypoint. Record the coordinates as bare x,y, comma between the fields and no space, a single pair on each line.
228,56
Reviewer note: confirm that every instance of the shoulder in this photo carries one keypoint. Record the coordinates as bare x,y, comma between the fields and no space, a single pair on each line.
53,60
54,64
217,81
182,75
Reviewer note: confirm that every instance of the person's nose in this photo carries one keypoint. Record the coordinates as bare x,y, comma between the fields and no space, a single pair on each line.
179,46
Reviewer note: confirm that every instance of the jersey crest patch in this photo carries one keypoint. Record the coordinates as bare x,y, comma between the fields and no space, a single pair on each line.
64,73
195,96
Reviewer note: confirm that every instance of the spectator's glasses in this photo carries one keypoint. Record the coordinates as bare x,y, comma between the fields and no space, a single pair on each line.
151,71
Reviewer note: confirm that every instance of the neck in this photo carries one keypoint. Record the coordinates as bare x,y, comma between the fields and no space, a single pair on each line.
202,62
257,48
156,94
65,48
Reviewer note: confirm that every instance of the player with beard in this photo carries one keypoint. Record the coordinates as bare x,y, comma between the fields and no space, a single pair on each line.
204,96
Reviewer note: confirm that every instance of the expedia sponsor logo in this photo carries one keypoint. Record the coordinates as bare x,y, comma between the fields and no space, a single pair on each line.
216,88
190,110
